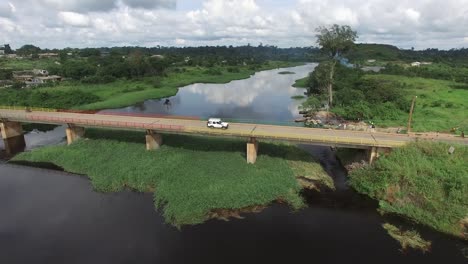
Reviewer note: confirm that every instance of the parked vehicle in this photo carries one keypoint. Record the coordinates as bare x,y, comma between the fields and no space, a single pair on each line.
217,123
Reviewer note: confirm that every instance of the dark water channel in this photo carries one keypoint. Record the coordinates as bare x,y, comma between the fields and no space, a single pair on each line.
48,216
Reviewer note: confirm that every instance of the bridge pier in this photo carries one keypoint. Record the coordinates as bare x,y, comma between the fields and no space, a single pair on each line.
74,133
252,149
373,153
13,137
153,140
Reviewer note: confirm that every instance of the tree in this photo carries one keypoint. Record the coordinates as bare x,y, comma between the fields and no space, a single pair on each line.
8,49
28,50
336,40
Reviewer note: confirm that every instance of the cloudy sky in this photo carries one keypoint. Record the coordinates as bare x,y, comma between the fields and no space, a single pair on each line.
95,23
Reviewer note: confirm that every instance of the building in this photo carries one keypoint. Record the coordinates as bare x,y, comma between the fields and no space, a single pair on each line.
35,77
48,55
415,64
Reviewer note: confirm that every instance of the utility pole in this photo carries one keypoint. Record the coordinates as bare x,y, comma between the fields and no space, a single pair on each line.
411,115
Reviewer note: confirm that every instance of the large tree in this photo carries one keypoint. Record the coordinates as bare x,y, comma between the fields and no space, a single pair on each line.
335,40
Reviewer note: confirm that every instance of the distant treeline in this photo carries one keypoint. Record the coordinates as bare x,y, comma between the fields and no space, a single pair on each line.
205,56
103,65
362,52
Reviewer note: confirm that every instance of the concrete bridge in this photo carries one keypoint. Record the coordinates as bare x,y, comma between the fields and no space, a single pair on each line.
12,133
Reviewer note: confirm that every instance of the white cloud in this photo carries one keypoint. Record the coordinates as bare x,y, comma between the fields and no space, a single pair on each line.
412,14
74,19
418,23
180,41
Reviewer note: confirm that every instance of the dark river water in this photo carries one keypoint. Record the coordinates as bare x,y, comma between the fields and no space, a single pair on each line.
49,216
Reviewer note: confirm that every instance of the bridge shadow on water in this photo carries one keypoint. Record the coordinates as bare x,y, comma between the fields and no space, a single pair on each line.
204,143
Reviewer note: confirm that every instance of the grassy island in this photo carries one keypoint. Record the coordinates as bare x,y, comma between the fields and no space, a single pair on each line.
423,182
191,177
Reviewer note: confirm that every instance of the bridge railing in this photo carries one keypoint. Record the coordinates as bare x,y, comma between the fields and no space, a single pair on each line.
290,136
90,122
43,109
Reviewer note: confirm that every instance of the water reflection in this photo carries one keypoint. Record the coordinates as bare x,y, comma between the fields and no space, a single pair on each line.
36,138
265,96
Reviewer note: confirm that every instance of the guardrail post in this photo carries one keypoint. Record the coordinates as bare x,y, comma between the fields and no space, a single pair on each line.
153,140
252,149
74,133
13,137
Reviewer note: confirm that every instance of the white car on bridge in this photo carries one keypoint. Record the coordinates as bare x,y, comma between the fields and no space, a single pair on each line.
217,123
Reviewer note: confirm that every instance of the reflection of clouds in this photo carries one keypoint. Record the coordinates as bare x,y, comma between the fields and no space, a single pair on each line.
236,93
244,92
293,108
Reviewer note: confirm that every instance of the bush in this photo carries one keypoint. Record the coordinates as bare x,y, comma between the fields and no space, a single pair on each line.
213,71
437,103
49,99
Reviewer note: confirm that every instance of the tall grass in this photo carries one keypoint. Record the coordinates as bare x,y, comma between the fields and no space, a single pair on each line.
441,105
190,176
421,181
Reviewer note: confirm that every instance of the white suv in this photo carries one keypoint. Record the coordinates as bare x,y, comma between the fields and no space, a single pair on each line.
217,123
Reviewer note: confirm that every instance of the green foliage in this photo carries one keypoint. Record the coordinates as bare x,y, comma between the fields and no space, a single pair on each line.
378,52
336,39
421,181
39,98
190,176
213,71
6,74
319,79
301,83
28,50
312,104
440,105
437,71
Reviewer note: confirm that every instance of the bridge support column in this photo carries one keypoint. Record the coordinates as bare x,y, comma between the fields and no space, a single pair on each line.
153,140
374,153
13,137
252,149
74,133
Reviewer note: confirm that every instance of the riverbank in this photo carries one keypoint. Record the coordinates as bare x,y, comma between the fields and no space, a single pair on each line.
192,178
422,182
125,92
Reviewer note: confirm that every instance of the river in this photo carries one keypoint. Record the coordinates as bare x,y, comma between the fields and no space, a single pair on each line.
49,216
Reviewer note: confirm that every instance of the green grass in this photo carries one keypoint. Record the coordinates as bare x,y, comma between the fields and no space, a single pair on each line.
27,64
440,106
297,97
190,176
301,83
422,182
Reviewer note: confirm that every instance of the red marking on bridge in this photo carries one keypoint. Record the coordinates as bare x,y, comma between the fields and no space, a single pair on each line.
106,123
149,115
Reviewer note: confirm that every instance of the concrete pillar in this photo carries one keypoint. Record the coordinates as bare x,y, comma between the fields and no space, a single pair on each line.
13,137
74,133
252,149
153,140
372,154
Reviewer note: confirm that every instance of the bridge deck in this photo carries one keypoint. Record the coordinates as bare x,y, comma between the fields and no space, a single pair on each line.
328,137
